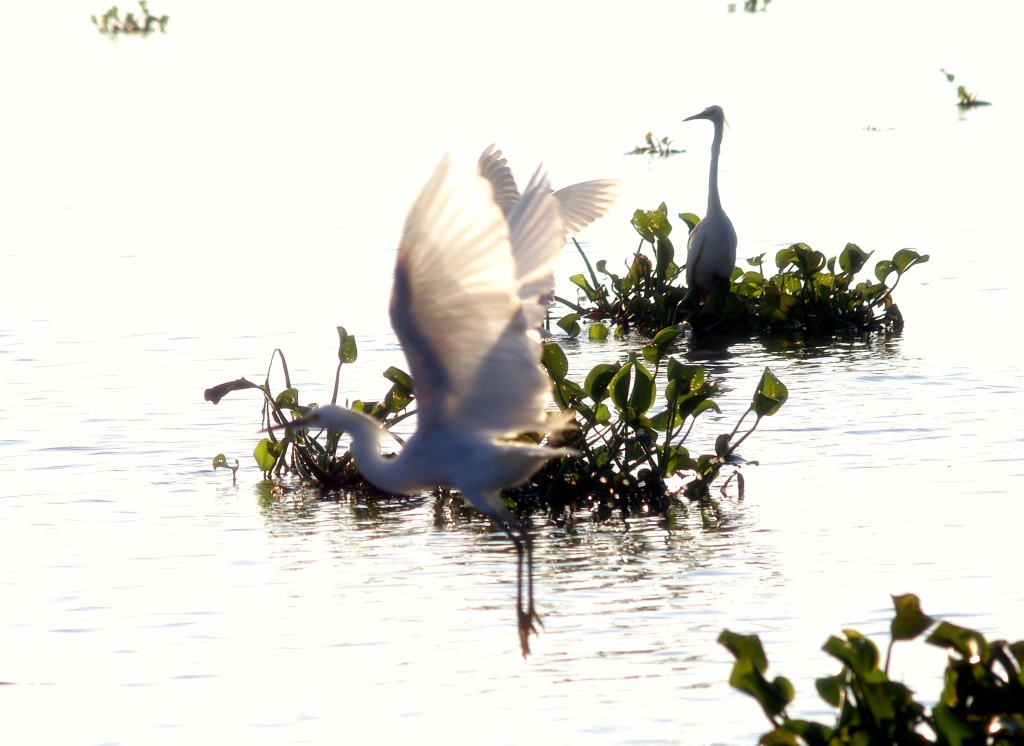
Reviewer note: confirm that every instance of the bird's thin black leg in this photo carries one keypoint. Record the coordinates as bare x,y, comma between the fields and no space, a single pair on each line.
524,547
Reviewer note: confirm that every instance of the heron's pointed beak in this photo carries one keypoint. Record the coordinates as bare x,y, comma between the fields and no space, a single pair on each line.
301,422
702,115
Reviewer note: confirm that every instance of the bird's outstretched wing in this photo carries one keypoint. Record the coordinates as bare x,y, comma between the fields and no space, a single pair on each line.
583,203
456,306
512,391
494,168
536,243
579,205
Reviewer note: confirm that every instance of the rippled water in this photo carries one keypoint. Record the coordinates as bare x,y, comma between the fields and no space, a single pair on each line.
176,208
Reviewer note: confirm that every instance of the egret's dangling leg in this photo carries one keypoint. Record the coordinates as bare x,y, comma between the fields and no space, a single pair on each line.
490,503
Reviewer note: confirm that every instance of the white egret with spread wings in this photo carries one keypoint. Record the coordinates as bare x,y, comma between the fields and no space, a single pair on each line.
466,303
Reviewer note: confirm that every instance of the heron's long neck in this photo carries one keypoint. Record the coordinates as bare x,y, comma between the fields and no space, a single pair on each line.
714,203
383,473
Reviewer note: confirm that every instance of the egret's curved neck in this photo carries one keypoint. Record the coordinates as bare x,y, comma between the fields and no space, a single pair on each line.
384,473
714,202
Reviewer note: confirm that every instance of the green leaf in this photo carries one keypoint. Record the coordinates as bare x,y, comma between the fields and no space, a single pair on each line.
748,673
598,380
659,345
909,621
619,386
745,647
722,445
813,734
831,688
664,253
704,406
770,395
632,389
400,378
690,219
288,399
220,462
904,259
968,643
663,420
652,224
347,352
858,653
216,393
598,332
952,730
807,259
580,281
570,325
784,257
853,258
554,360
266,454
883,269
644,391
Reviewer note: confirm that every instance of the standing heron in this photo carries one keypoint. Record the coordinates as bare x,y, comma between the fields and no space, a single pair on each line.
465,305
711,249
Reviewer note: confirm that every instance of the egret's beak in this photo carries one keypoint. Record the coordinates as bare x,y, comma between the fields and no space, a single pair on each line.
301,422
702,115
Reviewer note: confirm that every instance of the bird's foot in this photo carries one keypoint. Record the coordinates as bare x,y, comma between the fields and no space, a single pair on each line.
527,624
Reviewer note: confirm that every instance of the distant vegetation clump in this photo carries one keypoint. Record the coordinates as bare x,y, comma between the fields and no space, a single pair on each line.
661,148
965,99
750,6
112,23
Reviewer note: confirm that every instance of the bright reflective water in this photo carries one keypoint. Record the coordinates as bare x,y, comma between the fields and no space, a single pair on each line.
175,208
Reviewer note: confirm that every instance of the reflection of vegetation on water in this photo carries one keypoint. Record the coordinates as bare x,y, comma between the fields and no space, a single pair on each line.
661,148
111,22
627,456
981,704
809,294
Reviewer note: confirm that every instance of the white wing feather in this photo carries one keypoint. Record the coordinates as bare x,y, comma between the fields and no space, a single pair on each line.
494,168
583,203
537,239
457,310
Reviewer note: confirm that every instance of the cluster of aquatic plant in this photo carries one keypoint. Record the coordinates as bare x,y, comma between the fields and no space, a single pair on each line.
303,453
809,292
661,148
981,703
965,99
630,457
112,23
631,433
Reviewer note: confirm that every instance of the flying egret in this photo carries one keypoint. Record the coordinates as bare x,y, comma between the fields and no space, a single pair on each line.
465,306
711,249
